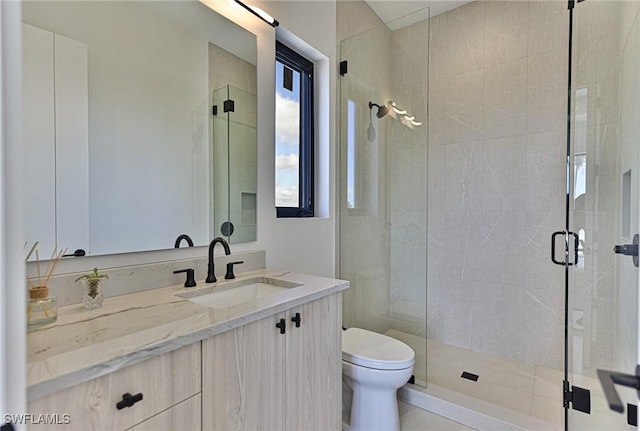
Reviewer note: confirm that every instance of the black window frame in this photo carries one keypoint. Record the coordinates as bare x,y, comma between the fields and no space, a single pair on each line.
299,63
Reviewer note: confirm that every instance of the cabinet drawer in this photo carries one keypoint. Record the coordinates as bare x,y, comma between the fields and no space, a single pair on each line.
184,416
163,382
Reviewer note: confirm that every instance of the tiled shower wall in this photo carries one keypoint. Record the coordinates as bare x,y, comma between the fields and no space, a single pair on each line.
496,177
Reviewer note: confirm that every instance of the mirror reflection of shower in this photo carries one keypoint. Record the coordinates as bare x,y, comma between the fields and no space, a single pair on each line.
396,112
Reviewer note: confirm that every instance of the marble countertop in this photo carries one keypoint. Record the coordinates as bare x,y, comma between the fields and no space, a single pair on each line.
84,344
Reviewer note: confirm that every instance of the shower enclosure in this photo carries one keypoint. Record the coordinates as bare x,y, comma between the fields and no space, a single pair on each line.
484,238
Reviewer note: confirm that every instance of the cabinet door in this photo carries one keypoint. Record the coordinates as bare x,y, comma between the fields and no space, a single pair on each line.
243,378
39,138
313,362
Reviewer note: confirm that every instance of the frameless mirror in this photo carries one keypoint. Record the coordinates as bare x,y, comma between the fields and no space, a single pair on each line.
123,148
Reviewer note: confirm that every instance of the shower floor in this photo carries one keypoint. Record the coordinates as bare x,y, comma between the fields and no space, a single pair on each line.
523,388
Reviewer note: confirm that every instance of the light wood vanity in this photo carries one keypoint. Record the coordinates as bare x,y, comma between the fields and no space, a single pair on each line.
170,385
232,369
257,378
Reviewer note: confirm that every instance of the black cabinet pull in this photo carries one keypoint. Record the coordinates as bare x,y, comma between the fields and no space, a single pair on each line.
282,325
128,400
296,319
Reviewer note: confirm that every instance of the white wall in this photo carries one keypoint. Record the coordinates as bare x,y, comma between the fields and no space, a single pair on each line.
307,244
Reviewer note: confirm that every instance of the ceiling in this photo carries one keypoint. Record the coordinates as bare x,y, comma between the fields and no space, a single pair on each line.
397,14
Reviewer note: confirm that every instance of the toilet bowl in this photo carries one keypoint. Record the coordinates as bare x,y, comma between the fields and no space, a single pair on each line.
374,366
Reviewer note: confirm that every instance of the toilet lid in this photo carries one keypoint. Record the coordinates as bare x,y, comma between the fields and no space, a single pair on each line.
373,350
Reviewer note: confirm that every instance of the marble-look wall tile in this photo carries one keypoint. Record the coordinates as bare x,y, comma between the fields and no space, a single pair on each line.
502,176
543,332
465,38
463,179
548,27
546,88
505,98
464,109
506,31
504,173
545,169
502,306
354,18
438,48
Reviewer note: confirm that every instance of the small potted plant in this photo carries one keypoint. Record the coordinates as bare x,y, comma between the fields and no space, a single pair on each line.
93,283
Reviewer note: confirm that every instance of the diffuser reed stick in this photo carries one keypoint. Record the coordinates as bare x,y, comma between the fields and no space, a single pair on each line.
38,291
35,244
38,266
55,263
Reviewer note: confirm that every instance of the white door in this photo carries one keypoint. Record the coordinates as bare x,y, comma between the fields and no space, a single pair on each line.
12,276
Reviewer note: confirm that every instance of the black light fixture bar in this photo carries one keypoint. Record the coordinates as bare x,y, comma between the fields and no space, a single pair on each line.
260,14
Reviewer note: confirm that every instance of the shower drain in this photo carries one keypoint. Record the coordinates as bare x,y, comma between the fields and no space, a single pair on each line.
470,376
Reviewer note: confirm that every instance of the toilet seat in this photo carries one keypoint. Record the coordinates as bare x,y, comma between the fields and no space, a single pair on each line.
377,351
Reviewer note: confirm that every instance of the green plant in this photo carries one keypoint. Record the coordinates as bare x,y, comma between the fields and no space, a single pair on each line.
93,280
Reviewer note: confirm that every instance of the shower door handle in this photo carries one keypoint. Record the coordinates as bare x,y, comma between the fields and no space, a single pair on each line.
553,247
576,243
609,378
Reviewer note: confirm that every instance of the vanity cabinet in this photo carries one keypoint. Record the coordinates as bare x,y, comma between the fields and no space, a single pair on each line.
170,386
257,378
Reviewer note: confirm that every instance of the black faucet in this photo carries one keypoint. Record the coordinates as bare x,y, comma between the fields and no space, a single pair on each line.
186,238
211,276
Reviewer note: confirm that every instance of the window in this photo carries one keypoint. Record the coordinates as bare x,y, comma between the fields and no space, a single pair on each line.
294,134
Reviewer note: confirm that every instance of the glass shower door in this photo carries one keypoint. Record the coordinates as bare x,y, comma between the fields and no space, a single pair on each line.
603,206
383,185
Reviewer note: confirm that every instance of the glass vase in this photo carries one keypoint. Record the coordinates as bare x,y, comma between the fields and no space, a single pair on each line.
93,297
42,309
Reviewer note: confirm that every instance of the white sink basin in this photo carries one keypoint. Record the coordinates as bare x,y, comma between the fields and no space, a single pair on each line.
238,292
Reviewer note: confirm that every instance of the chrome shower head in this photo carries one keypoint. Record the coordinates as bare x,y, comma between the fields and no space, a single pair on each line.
382,110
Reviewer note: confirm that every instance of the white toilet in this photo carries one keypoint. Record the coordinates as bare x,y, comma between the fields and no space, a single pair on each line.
374,366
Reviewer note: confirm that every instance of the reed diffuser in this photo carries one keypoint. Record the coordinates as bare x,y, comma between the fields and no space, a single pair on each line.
42,309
